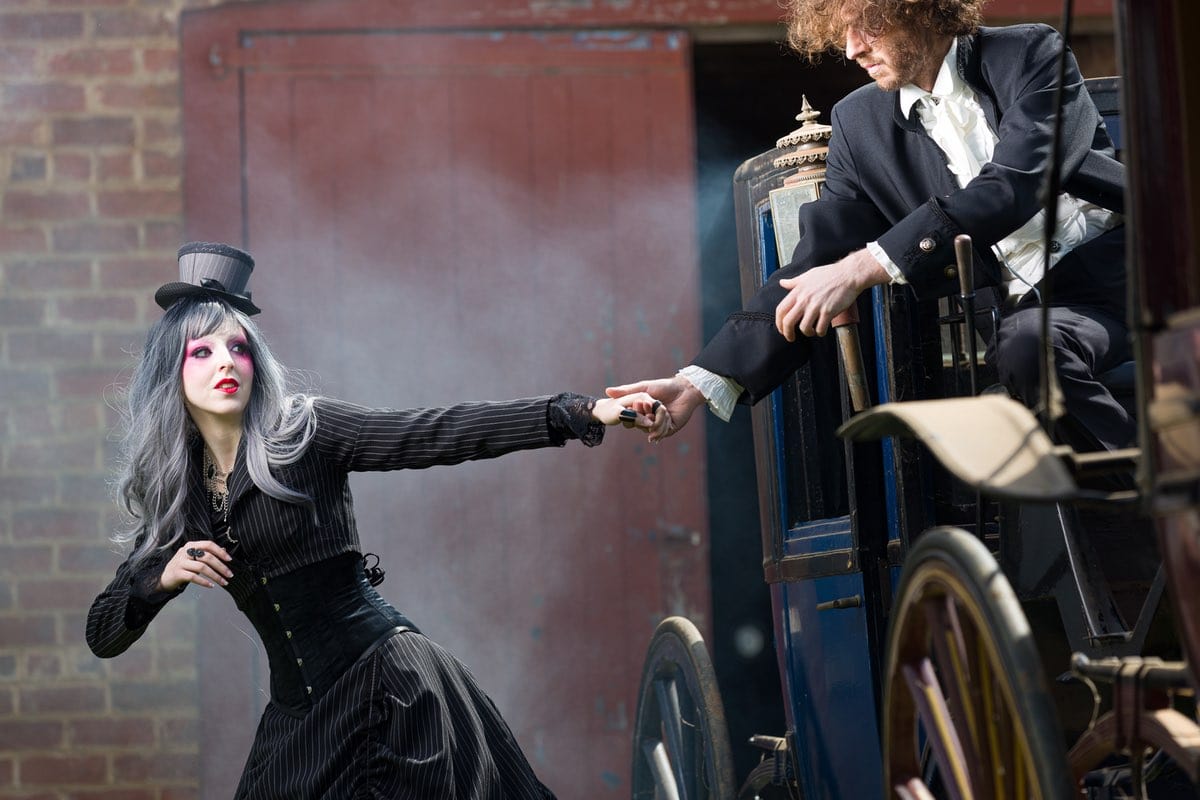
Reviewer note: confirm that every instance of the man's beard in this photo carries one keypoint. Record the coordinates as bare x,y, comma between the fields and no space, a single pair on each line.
910,57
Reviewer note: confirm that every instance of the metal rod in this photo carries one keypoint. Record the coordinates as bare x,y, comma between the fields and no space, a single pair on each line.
965,258
1052,398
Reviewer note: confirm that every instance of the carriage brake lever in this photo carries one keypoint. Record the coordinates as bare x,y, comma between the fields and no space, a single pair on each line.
966,284
846,325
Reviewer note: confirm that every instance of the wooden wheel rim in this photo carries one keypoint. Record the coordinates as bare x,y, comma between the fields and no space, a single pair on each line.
992,726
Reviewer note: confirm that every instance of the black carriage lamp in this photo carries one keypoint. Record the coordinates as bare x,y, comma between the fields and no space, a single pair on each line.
807,148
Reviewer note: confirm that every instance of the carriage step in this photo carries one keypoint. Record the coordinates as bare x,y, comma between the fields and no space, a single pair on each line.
772,744
774,769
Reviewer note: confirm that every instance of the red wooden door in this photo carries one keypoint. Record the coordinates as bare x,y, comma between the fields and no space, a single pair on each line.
440,216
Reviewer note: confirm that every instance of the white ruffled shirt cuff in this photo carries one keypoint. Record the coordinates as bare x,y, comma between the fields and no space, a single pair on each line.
719,392
889,266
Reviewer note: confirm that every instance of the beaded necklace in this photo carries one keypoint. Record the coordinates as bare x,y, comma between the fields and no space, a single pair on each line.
215,484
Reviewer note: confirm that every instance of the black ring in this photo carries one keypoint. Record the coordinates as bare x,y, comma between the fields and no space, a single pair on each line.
654,408
195,552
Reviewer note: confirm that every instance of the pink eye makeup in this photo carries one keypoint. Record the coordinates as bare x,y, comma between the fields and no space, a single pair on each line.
240,349
237,348
218,374
196,349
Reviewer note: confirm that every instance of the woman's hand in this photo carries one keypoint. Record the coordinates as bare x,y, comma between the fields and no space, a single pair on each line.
637,410
201,563
678,395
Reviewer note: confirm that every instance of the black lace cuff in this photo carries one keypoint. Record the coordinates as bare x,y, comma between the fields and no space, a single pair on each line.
570,417
145,598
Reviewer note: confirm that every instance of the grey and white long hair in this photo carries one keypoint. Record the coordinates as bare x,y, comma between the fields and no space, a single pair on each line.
277,425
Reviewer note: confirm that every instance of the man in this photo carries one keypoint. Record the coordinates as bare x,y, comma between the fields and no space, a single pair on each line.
952,137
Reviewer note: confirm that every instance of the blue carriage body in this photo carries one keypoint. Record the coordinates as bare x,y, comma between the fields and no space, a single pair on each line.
827,652
837,518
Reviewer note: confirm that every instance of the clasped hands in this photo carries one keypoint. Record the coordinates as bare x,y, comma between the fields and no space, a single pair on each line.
634,409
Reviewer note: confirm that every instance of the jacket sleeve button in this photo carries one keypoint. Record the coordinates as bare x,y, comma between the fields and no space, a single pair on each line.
950,272
927,244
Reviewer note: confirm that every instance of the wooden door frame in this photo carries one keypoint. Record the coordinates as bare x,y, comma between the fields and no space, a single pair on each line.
214,41
213,45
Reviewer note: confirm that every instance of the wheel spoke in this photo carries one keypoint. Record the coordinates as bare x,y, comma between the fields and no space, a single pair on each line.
956,646
949,647
914,790
1020,778
666,693
939,727
665,787
997,752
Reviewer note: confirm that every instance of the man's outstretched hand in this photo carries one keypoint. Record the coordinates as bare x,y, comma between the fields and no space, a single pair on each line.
677,394
634,410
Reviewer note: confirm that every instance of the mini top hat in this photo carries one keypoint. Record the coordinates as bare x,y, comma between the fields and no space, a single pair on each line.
208,268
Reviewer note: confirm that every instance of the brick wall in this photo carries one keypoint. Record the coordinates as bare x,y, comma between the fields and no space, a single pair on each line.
90,217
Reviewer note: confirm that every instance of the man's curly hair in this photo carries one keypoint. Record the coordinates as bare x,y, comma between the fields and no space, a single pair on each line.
819,26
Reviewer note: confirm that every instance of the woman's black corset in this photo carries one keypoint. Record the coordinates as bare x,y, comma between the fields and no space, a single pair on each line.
314,623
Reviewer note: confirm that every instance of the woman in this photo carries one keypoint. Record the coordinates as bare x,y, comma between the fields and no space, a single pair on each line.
232,481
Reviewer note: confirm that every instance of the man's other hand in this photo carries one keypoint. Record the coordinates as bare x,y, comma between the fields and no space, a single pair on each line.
818,295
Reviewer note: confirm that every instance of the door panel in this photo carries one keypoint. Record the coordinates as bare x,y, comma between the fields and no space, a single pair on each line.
449,216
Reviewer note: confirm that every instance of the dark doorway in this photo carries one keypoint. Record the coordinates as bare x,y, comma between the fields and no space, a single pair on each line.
747,95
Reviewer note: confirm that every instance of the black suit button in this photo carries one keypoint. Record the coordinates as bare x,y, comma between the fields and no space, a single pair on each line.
950,272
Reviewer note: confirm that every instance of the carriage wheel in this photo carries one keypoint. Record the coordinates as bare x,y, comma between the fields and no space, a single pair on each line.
680,742
964,683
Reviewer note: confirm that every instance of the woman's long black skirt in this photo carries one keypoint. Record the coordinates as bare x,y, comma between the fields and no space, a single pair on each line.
406,722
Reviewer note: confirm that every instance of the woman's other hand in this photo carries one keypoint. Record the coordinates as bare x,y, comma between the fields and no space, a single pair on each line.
201,563
635,410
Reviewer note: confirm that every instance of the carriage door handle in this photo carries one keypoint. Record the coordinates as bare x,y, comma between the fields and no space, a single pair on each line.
853,601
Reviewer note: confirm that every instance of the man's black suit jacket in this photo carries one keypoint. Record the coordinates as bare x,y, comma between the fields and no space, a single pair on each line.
887,181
